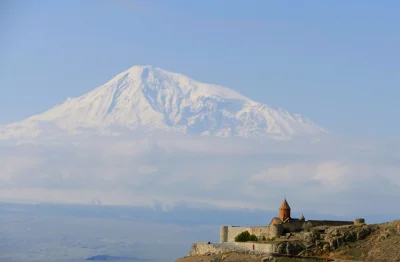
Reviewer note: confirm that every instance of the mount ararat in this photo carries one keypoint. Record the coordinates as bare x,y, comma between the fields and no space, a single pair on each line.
146,98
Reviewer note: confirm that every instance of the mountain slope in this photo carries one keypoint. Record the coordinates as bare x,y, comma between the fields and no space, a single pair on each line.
148,98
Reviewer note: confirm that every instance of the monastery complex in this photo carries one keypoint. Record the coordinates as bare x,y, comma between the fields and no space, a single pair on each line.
280,226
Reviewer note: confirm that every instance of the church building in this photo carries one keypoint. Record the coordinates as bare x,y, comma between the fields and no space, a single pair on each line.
279,226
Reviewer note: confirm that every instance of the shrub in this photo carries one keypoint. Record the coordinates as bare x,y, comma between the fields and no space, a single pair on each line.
253,238
245,236
271,238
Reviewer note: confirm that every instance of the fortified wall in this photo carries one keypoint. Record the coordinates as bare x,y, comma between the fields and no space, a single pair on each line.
299,225
280,226
204,249
228,233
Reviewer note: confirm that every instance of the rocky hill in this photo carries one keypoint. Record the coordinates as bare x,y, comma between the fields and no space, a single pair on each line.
375,242
382,244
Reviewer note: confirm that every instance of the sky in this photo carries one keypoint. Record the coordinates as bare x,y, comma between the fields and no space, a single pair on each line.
335,62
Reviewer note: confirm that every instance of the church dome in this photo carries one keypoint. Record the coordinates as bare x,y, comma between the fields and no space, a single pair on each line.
285,205
302,218
284,211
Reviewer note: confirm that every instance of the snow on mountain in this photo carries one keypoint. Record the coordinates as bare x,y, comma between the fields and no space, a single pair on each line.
147,98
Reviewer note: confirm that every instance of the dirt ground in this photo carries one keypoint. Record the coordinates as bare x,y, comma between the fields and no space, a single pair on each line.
236,257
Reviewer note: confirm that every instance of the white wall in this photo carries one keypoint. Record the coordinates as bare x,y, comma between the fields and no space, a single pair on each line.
234,231
263,247
202,248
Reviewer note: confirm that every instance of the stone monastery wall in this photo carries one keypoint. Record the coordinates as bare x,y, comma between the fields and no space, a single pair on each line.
262,247
332,223
228,233
261,231
201,249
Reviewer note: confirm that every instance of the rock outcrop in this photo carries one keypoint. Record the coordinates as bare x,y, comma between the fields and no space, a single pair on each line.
324,240
382,244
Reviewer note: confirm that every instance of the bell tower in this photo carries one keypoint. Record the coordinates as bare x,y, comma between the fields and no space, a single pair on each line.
284,210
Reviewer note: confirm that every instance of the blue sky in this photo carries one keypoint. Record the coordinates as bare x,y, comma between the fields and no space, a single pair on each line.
335,62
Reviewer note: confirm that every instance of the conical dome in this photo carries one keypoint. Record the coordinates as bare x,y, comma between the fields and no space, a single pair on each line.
285,205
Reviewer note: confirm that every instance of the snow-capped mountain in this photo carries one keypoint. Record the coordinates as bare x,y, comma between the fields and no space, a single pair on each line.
149,98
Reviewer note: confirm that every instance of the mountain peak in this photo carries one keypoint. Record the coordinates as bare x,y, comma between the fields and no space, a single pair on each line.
151,98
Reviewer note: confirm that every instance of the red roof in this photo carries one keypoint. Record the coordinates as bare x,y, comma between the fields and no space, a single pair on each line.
275,220
284,205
